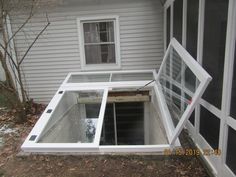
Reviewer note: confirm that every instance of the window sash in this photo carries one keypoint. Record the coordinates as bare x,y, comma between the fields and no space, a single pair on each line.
99,32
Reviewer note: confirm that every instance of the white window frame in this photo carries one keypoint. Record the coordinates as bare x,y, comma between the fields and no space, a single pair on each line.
105,66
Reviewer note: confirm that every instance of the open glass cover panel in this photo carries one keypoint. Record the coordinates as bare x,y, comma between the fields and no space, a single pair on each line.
181,82
75,118
122,111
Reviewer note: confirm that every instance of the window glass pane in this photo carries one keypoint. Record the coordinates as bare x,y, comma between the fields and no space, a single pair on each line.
176,100
192,27
178,18
190,79
215,24
92,110
192,117
131,76
89,78
209,127
106,31
167,27
231,147
96,54
172,94
74,120
98,32
233,92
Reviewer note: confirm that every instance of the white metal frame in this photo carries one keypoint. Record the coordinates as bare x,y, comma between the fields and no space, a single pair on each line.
108,66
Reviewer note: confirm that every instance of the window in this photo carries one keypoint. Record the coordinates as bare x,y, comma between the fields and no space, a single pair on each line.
99,43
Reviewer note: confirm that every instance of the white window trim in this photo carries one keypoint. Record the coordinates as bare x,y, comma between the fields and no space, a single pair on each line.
109,66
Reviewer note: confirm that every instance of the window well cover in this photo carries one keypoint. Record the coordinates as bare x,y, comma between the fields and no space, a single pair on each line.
74,118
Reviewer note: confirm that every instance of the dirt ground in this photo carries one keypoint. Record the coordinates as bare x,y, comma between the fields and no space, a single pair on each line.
13,165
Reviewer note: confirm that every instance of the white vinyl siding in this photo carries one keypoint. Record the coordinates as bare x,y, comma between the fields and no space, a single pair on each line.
56,53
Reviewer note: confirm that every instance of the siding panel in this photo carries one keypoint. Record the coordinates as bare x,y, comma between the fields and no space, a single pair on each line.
56,53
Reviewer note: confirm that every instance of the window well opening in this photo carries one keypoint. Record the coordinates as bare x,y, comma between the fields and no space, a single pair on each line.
129,119
123,124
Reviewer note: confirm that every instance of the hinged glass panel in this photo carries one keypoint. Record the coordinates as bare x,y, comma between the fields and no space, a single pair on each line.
181,81
73,118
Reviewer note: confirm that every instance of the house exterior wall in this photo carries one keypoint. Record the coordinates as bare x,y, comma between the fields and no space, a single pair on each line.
56,52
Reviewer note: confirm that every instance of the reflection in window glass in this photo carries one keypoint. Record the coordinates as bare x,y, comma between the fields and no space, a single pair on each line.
192,27
209,127
214,47
231,147
233,92
167,27
178,18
